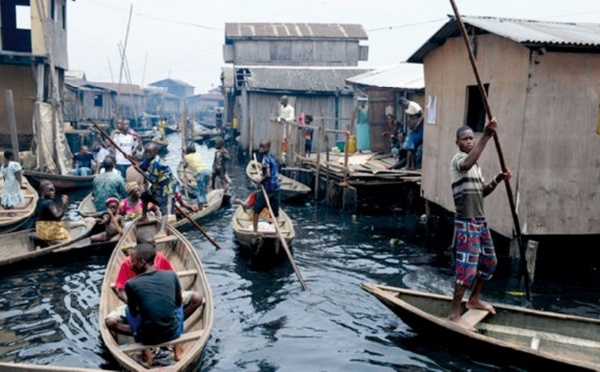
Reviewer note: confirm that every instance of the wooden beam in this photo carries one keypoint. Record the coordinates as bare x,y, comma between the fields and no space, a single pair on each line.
186,337
12,122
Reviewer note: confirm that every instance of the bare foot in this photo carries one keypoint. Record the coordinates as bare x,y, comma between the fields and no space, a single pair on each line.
148,356
177,352
478,304
461,323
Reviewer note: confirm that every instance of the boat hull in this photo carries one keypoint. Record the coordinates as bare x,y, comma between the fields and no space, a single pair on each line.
187,264
527,338
265,242
291,190
63,182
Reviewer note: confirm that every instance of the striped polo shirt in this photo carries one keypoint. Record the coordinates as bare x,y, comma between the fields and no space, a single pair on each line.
467,188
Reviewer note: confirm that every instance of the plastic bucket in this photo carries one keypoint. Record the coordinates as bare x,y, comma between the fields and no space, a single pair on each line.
341,145
352,144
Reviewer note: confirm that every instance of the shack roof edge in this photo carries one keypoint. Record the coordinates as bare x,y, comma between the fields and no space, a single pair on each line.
560,35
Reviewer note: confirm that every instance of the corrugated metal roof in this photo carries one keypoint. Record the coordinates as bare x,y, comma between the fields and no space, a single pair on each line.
560,35
402,76
301,79
168,82
235,31
120,88
160,92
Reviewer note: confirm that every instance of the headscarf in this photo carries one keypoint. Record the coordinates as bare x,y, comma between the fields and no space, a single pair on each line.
109,201
130,186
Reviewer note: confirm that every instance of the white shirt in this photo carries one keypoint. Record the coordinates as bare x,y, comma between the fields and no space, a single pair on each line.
127,143
286,113
413,108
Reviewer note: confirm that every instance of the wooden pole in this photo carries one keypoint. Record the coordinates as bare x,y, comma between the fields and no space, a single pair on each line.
322,134
183,150
137,167
509,192
12,122
281,238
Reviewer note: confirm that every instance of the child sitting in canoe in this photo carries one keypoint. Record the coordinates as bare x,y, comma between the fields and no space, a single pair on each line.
48,221
113,222
249,203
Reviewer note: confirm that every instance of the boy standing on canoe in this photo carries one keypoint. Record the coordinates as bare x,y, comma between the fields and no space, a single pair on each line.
163,188
475,254
270,182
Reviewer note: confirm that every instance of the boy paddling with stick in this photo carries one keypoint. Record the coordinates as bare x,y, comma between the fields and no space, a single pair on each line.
163,188
475,254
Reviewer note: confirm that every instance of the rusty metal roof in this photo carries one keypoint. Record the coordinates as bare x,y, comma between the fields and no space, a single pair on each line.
401,76
298,79
236,31
559,35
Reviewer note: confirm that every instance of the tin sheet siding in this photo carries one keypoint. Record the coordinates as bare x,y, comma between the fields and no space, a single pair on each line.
559,175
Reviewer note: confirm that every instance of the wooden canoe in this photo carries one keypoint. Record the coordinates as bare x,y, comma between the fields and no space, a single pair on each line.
207,135
16,218
187,264
214,198
21,246
87,208
162,143
265,241
536,340
290,188
63,182
19,367
187,179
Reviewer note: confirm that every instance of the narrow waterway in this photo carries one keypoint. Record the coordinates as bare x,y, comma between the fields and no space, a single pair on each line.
264,321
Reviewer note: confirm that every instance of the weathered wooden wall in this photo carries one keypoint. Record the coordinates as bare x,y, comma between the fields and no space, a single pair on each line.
296,52
156,104
547,126
20,80
79,105
58,33
262,107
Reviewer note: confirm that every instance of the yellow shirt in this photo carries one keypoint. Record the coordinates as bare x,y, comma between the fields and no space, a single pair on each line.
194,162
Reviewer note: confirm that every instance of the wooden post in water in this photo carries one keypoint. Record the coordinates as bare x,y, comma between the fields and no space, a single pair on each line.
318,172
12,122
251,139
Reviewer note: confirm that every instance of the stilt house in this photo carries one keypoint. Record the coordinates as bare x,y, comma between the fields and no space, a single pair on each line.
543,84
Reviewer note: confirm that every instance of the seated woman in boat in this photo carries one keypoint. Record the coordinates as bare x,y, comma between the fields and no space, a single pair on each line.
13,182
48,224
113,222
131,207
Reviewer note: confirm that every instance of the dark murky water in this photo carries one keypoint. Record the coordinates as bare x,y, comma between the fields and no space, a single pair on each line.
264,321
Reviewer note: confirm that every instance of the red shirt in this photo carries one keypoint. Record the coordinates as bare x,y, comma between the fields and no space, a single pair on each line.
125,272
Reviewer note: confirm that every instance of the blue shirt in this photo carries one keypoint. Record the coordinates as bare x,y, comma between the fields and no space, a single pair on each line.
269,162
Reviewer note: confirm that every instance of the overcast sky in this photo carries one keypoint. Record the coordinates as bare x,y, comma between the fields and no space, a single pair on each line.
183,39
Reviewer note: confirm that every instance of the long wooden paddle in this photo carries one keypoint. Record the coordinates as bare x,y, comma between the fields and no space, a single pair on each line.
281,238
136,165
509,192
